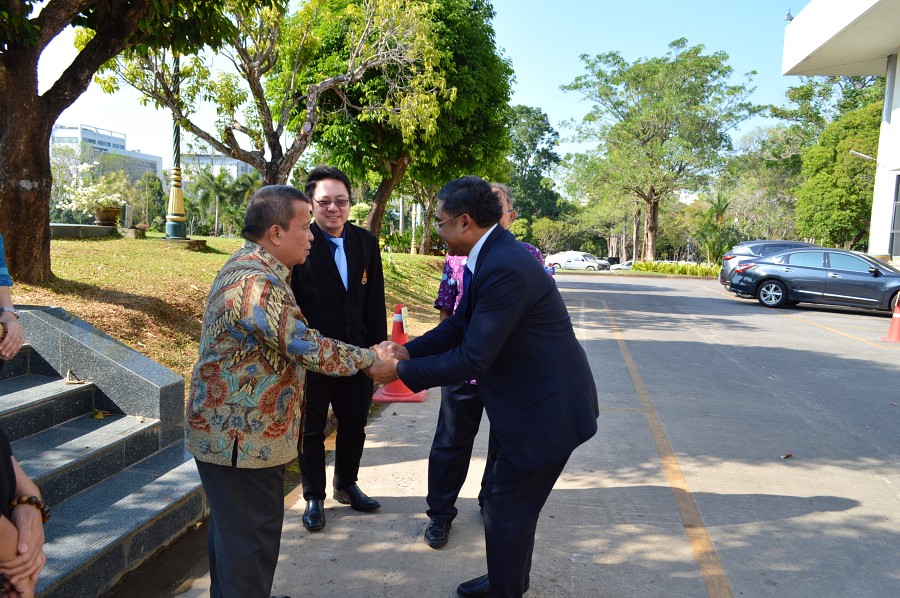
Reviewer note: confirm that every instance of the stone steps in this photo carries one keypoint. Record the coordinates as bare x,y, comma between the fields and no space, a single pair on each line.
110,528
120,487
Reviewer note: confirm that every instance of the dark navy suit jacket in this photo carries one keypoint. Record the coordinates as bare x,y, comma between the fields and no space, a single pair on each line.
355,315
514,336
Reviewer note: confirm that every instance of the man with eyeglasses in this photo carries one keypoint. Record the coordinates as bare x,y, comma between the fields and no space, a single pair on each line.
461,408
340,290
512,333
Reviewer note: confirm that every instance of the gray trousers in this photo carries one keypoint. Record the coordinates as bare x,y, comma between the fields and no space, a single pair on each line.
246,514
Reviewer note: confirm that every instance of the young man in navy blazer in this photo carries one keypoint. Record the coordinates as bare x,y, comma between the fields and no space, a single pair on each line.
512,333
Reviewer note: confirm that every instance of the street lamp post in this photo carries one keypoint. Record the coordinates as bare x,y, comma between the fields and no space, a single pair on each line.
176,221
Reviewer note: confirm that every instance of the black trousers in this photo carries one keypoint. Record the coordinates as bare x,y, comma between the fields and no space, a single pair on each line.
451,449
512,504
246,514
350,398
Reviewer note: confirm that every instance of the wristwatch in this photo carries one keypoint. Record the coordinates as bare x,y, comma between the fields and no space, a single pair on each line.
11,310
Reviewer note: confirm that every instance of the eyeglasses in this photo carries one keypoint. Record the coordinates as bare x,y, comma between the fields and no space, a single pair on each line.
510,211
438,225
340,202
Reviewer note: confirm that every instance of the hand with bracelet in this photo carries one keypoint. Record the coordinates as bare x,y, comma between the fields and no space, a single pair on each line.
22,534
12,335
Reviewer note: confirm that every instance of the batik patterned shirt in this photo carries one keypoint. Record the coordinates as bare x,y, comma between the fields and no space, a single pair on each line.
255,347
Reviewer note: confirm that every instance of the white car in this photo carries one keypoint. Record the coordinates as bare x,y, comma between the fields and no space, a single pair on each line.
575,260
626,265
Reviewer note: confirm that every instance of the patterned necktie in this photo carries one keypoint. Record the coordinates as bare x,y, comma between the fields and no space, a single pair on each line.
467,285
340,258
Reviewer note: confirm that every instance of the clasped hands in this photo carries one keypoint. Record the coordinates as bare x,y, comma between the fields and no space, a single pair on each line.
384,370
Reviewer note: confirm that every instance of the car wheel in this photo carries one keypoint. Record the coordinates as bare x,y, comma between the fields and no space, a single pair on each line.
772,293
591,268
894,301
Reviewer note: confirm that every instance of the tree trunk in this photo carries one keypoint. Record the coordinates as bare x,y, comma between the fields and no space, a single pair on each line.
635,227
396,170
429,202
652,225
25,181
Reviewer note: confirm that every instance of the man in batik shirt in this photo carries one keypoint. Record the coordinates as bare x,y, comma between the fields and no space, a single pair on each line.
246,393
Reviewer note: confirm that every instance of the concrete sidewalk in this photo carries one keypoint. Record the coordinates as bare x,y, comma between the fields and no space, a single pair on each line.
383,554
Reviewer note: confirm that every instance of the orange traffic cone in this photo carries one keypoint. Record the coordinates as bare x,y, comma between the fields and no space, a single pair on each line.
397,391
894,331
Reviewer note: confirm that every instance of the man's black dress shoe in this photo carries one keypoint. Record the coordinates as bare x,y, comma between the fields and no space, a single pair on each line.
356,498
314,515
480,587
437,533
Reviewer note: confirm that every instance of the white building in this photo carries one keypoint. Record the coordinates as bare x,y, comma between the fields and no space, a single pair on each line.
194,163
102,140
858,37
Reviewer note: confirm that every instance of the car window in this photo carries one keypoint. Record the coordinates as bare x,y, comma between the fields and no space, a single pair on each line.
851,263
770,249
590,257
815,259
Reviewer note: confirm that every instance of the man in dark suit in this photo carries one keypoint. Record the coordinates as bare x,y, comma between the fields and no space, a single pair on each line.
511,333
340,290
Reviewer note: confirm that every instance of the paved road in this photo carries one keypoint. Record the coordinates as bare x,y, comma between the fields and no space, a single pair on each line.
742,452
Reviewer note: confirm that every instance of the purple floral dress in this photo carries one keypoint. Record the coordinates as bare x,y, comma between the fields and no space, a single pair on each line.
451,289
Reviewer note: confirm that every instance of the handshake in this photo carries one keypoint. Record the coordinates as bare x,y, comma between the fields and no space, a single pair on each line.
384,370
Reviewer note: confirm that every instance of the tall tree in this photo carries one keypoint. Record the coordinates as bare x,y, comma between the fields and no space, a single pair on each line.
834,203
283,65
469,135
661,123
532,158
27,118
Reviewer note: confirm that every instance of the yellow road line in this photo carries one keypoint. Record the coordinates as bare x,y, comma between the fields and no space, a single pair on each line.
714,576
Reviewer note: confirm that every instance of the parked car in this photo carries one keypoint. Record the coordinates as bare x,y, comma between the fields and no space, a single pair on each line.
819,275
626,265
575,260
748,250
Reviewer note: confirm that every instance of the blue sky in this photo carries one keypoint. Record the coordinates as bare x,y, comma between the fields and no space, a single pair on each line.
544,41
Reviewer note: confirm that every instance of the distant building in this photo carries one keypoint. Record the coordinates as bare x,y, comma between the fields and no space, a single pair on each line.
835,37
195,163
95,139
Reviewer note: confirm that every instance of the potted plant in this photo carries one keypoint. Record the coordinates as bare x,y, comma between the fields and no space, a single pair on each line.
95,198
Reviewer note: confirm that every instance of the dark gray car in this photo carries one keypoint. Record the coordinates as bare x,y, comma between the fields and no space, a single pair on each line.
746,250
819,275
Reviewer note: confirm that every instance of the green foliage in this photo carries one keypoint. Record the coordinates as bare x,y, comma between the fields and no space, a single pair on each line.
359,212
834,203
818,101
551,236
532,160
662,123
762,180
468,135
681,269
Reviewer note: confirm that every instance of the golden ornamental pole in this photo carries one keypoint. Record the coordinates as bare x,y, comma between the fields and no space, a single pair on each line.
176,221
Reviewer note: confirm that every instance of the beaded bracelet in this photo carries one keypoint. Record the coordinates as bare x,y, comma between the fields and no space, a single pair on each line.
5,330
35,502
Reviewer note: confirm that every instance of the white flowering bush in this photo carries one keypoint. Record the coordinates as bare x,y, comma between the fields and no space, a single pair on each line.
86,196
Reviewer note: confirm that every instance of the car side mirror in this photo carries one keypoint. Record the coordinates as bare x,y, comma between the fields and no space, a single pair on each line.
874,271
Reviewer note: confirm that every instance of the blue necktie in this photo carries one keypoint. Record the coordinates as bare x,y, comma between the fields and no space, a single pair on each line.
340,258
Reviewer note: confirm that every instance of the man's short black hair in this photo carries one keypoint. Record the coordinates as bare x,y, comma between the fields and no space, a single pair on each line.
272,204
473,196
321,173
